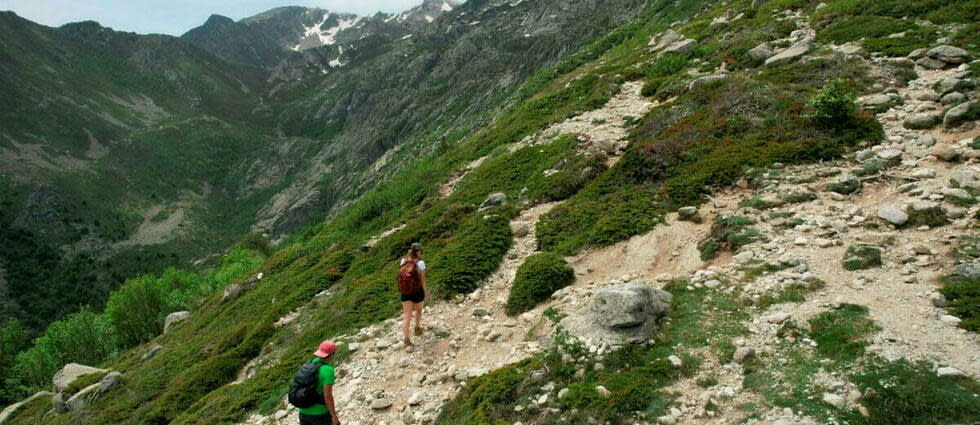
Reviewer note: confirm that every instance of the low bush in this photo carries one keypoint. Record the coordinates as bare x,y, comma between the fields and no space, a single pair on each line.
906,393
963,298
475,251
537,278
833,106
728,232
862,256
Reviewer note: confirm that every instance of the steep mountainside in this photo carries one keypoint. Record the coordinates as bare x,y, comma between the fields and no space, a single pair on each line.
760,212
123,153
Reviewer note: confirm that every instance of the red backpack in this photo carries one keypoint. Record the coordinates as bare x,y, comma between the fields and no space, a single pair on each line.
408,278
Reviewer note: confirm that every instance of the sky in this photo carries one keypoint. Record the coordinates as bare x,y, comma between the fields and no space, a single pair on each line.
175,17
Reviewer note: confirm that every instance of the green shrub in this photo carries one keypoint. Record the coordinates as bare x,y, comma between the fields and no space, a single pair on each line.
138,308
906,393
758,203
728,232
833,106
473,254
862,256
963,297
537,278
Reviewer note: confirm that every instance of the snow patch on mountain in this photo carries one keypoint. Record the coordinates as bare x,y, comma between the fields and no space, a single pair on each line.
325,37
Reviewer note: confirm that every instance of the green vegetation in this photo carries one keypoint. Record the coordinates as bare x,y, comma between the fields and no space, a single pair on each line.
635,376
834,105
134,314
728,232
537,278
897,392
82,382
862,256
841,334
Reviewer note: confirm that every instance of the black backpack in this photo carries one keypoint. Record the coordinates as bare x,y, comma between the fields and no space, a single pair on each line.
303,393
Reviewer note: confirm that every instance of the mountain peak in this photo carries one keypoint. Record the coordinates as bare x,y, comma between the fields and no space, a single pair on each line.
216,19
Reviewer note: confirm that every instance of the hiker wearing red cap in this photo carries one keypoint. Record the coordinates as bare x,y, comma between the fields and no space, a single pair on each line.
413,289
312,389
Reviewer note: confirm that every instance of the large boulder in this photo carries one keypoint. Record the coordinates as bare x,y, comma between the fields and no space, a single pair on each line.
968,270
72,371
921,121
963,112
82,396
108,383
619,314
791,53
174,318
949,54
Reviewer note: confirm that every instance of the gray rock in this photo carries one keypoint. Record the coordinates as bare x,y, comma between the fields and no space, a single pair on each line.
150,353
938,300
174,318
70,372
961,113
893,215
890,156
381,404
930,63
878,102
968,270
619,314
742,354
953,98
495,199
949,84
681,46
108,383
918,53
703,81
58,404
761,52
926,140
949,54
965,179
664,39
688,214
603,392
81,397
921,121
957,194
480,312
792,53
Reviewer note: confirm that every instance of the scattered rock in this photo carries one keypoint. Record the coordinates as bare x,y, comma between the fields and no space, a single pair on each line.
480,312
893,215
706,80
494,199
688,214
950,372
381,404
960,113
603,392
150,353
969,270
174,318
675,361
761,52
846,184
949,54
921,121
947,153
792,53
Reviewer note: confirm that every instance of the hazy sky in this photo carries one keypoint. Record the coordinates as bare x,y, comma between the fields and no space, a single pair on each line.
175,16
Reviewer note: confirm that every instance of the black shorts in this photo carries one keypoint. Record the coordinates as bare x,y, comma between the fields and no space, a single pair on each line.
415,298
323,419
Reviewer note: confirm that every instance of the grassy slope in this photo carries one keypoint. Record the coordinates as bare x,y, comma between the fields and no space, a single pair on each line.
187,381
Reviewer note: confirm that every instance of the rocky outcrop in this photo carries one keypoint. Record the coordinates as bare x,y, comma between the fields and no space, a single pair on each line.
791,53
174,318
10,410
71,372
619,314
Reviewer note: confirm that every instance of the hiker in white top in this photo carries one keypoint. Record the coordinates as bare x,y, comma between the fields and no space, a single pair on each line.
414,290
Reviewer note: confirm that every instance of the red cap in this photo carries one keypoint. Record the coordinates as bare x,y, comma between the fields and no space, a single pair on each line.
326,348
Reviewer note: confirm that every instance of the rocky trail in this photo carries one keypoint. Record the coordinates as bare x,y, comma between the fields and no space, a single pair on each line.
385,382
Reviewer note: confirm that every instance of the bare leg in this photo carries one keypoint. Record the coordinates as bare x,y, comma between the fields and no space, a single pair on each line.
406,321
418,317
